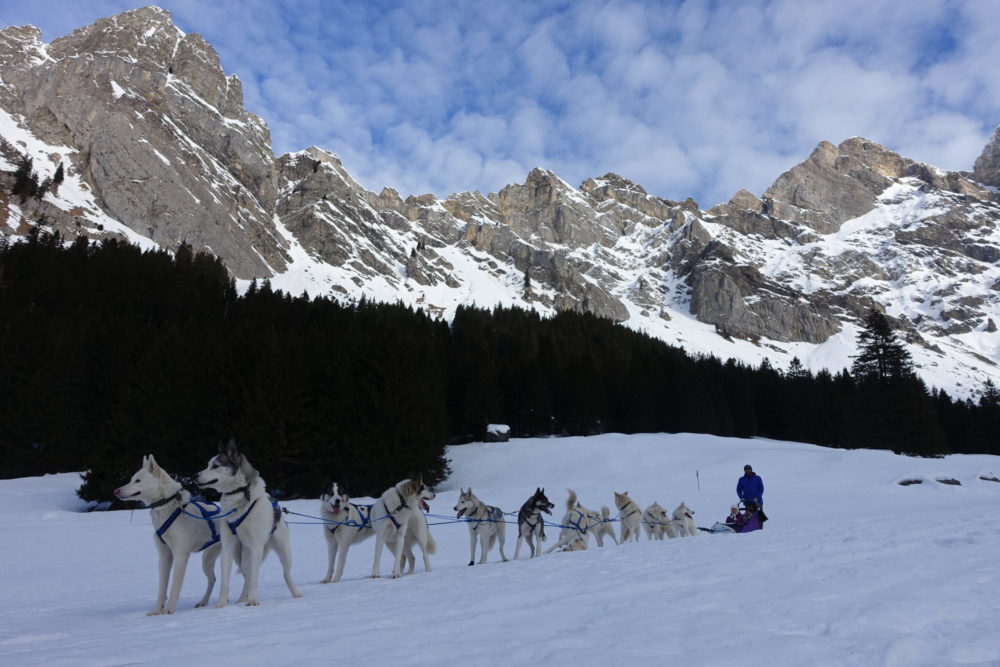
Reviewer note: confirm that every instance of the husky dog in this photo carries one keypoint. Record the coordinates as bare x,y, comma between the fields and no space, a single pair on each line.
347,525
390,519
176,533
577,524
656,521
485,523
601,526
418,533
253,523
630,515
529,522
682,522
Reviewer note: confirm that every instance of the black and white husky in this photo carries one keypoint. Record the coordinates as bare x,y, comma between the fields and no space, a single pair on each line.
390,519
530,523
252,523
180,527
486,524
346,524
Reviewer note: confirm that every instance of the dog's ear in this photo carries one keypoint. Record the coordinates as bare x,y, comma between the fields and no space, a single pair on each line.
150,463
229,449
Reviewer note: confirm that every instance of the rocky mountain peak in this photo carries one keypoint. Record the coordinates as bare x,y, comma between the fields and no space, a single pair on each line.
987,168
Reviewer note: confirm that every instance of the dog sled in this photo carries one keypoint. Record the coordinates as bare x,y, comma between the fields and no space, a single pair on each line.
751,518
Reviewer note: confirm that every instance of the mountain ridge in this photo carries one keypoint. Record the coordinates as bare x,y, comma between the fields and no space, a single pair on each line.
159,147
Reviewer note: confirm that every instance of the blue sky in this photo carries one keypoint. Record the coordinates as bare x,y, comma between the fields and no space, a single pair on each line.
693,98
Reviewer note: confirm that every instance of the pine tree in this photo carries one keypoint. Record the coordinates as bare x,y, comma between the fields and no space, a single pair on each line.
881,356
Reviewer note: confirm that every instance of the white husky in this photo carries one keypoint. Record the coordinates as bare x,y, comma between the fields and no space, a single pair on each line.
419,534
346,524
390,518
656,522
253,524
577,525
177,530
682,522
630,515
486,524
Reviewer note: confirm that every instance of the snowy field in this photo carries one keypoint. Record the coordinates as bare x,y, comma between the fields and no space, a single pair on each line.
852,569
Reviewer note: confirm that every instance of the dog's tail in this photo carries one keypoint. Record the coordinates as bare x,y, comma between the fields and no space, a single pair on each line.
605,512
571,500
431,544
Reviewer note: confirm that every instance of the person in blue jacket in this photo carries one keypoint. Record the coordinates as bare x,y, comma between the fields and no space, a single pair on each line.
750,488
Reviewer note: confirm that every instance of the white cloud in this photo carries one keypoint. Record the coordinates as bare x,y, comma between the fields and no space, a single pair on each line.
686,98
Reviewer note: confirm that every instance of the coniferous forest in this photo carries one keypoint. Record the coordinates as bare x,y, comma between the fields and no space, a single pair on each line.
108,352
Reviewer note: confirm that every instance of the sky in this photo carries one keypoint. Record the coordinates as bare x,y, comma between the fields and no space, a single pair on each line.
689,99
851,569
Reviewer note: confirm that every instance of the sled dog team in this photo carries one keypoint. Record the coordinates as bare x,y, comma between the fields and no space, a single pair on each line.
247,524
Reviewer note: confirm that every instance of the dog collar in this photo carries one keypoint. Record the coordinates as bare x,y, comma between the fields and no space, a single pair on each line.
244,490
164,501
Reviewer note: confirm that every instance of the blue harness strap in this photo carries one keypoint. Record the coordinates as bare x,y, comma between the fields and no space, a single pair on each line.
233,525
207,515
169,522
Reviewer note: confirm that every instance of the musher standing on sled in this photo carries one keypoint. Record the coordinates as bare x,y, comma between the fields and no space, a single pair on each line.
750,489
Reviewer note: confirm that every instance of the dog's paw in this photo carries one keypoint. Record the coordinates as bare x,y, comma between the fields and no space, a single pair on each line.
326,581
155,612
253,603
221,603
297,595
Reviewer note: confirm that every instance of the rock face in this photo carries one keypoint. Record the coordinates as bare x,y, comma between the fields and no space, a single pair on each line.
987,168
160,133
159,149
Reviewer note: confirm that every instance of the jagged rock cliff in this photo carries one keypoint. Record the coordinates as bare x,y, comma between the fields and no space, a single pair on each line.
160,149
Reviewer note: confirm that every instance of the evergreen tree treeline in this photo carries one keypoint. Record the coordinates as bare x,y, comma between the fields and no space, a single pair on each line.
108,353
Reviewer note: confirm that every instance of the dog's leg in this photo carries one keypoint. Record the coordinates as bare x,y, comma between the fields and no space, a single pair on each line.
517,548
331,552
379,544
208,558
485,544
229,546
501,536
165,559
251,571
179,568
342,562
397,564
281,545
472,544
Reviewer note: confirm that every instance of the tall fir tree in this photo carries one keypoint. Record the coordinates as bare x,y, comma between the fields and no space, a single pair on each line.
881,355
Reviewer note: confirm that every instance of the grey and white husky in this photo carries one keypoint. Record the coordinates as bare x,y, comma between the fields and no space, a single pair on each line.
346,524
530,523
390,519
486,524
253,524
177,530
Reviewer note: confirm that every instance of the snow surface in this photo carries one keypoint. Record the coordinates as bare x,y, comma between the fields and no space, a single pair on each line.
852,569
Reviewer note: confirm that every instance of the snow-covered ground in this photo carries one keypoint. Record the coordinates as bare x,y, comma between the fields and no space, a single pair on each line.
852,569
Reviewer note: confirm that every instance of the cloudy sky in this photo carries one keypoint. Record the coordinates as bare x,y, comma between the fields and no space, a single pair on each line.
697,98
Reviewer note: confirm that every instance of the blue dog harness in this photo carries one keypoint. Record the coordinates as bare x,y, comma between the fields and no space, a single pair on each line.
206,514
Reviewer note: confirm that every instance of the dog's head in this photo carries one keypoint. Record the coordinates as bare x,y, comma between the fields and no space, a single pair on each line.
466,502
540,501
656,511
683,512
415,489
149,484
227,470
335,499
621,499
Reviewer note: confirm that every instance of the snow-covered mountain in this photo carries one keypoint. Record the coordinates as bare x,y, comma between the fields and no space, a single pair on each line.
159,148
